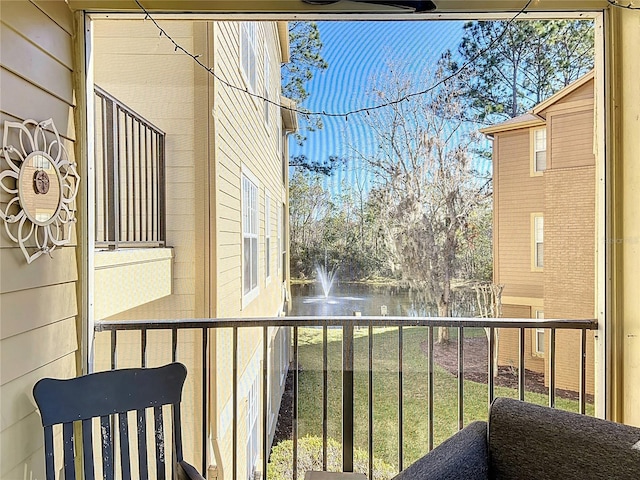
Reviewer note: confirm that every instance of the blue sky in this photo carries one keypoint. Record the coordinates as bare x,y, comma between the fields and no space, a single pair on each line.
356,53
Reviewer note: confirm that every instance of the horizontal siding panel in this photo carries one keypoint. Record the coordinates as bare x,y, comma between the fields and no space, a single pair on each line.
32,23
58,11
26,310
30,62
6,242
136,29
180,174
572,139
26,352
20,440
184,221
15,274
16,395
176,191
24,100
149,45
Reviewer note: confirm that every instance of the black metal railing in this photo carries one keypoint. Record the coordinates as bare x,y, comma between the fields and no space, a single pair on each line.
363,326
130,176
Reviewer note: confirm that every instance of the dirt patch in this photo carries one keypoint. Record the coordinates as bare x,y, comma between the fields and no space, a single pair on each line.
476,366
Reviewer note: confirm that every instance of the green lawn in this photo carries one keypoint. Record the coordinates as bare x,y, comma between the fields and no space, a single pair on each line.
385,380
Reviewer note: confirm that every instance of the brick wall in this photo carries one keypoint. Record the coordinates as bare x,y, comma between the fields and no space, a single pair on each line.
569,264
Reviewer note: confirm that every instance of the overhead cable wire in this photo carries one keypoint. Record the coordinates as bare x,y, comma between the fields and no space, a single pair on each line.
345,115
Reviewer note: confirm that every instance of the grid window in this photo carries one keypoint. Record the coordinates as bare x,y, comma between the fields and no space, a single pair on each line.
538,347
249,235
267,234
248,57
252,428
538,241
539,150
267,86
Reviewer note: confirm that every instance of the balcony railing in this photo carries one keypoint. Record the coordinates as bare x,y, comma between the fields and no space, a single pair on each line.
363,327
130,163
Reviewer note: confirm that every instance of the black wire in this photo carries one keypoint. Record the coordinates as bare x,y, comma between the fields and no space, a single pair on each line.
628,6
178,47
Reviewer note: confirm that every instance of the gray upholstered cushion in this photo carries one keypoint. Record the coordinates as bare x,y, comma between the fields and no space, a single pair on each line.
463,456
531,442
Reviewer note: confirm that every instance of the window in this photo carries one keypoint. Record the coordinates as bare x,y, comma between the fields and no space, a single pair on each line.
539,150
249,237
538,340
538,241
281,237
267,234
252,427
283,354
248,57
267,86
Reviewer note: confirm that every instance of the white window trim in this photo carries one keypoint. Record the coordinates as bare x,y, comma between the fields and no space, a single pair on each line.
249,74
283,356
266,69
253,407
280,240
534,150
254,292
267,236
537,351
535,264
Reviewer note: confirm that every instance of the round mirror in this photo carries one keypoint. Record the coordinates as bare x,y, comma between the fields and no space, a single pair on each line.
40,188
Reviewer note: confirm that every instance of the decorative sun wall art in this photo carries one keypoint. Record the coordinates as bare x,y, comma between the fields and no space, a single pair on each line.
38,186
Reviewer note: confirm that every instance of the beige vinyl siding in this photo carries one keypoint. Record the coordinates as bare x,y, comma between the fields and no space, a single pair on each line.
572,139
518,194
244,142
38,302
143,71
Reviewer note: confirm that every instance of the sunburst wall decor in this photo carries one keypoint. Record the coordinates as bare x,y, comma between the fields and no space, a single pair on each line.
39,186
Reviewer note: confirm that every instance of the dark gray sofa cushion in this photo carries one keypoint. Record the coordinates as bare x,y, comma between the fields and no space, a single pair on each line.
463,456
531,442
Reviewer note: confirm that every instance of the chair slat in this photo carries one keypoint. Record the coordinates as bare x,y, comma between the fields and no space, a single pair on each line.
142,444
107,447
125,457
177,435
159,436
69,460
87,449
48,448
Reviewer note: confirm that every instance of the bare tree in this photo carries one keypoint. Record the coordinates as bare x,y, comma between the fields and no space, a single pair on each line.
426,186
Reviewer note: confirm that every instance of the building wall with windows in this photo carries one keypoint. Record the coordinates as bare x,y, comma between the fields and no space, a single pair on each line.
545,231
225,191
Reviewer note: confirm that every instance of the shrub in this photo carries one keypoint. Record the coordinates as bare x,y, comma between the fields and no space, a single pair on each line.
310,458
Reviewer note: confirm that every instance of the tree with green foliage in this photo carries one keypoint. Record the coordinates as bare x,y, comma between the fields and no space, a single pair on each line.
427,189
515,65
306,60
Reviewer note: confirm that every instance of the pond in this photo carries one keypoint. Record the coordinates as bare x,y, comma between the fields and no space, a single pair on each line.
347,298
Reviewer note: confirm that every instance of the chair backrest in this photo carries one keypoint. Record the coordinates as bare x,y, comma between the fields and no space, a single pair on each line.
528,441
100,402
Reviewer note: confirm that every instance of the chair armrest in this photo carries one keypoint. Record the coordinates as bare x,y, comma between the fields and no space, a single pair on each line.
188,472
464,455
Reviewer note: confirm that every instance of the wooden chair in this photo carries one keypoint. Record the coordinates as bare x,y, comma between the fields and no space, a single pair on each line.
109,396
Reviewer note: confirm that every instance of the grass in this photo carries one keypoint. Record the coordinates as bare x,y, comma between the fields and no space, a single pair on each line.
385,392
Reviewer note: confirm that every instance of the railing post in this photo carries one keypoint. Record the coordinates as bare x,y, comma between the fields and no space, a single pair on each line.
110,135
347,398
